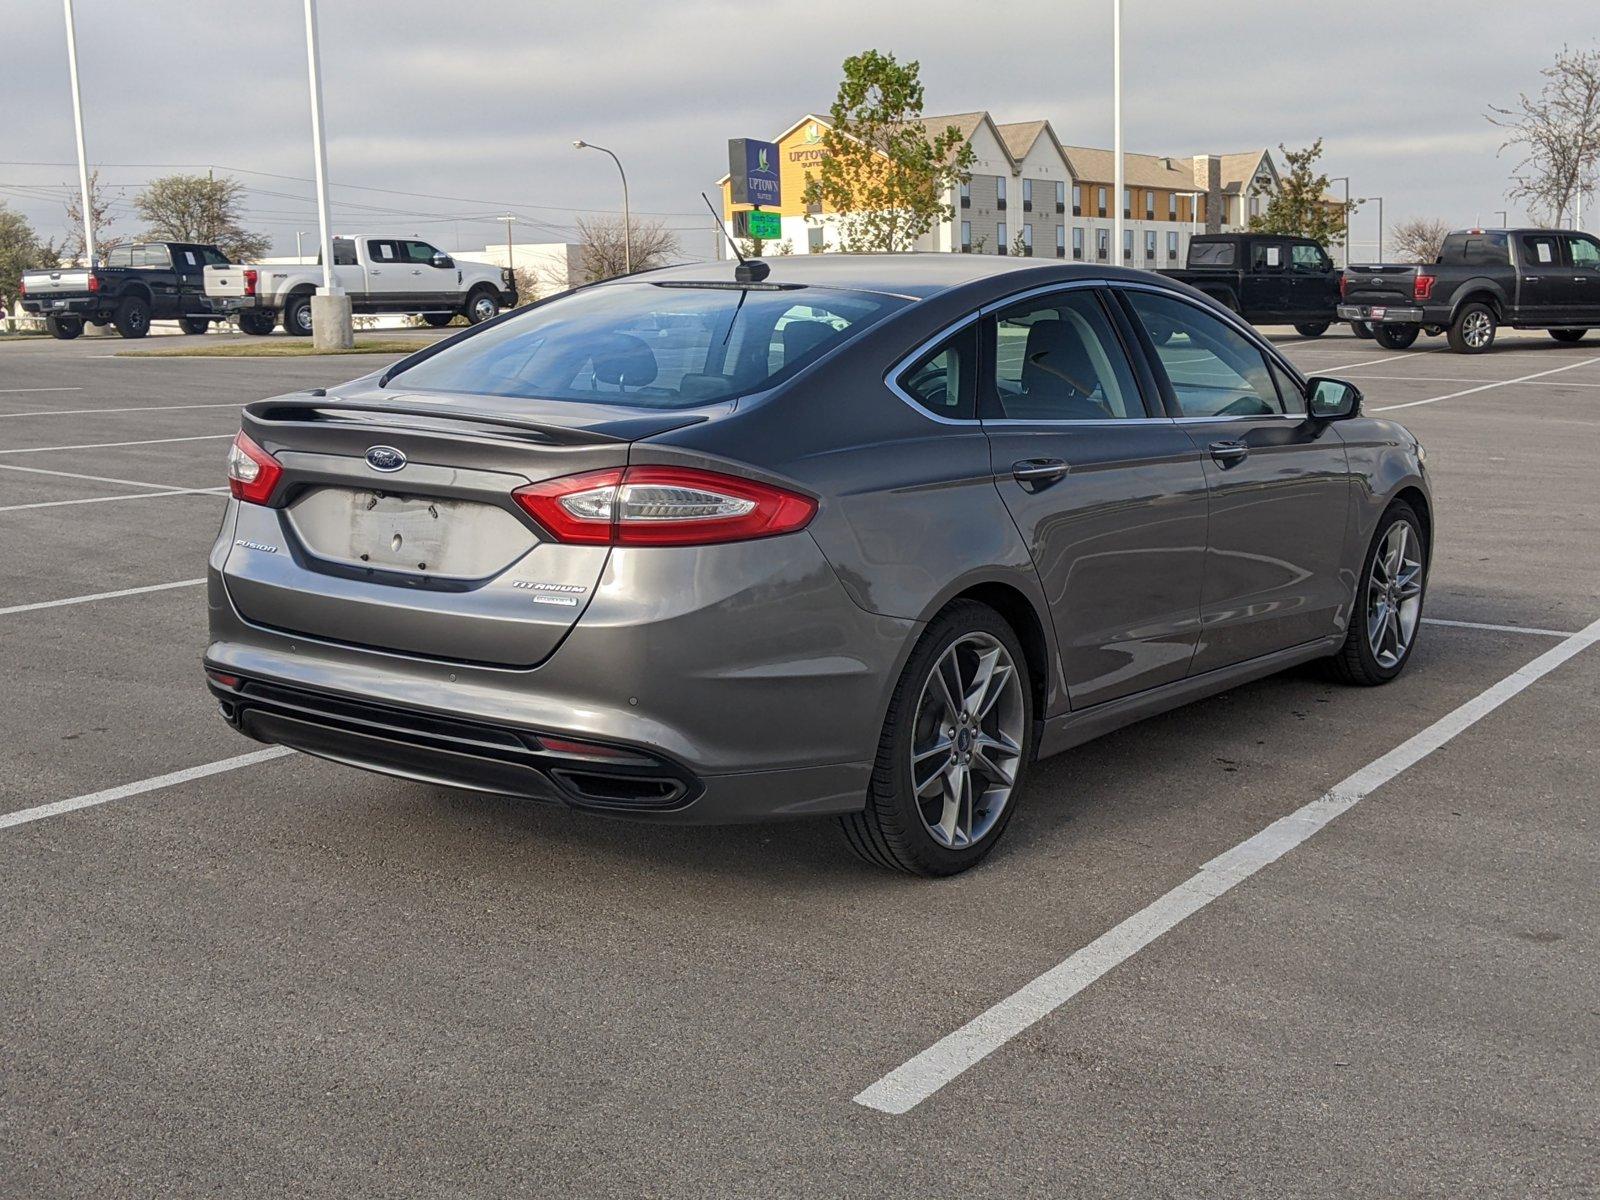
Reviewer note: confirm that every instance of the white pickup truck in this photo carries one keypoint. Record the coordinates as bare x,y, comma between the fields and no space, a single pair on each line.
380,273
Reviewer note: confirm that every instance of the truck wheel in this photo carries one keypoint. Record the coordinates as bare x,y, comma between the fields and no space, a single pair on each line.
297,315
482,305
133,317
1473,330
1362,329
1568,336
1395,337
63,328
193,325
256,324
1312,328
438,320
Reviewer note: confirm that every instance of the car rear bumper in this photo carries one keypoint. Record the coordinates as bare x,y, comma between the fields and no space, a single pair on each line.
63,306
1386,314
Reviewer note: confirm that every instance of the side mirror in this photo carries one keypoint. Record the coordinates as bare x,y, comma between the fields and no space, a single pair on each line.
443,261
1332,399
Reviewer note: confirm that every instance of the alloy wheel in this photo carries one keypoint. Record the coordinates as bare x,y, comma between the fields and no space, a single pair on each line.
1476,329
967,738
1394,594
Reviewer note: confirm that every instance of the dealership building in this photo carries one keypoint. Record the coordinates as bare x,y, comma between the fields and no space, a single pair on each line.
1028,192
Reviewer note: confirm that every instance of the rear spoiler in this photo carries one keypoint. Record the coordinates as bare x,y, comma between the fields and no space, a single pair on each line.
293,410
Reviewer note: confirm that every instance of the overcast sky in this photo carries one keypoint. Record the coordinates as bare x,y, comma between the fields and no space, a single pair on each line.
472,106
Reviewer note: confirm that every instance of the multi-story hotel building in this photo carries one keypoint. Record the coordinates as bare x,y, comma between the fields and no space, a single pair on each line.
1028,193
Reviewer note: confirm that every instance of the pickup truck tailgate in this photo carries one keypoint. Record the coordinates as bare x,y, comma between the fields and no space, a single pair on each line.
45,283
1379,283
230,281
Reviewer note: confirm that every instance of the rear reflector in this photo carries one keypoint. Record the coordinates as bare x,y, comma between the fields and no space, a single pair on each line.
598,750
252,472
662,506
222,678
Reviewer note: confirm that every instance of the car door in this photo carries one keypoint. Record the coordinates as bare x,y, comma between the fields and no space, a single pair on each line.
1583,256
388,276
1544,279
1108,493
1313,287
429,285
1266,285
1279,484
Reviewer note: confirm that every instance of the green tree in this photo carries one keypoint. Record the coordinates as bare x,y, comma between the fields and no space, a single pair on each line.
20,250
1300,206
883,172
199,208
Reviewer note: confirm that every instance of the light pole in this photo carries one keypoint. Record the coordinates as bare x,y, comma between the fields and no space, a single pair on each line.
627,221
77,125
298,252
330,320
1504,217
1345,179
510,266
1379,199
1119,180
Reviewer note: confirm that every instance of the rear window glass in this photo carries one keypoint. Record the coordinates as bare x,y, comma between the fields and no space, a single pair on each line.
652,346
1211,254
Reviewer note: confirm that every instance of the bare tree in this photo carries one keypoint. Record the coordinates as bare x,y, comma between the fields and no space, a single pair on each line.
1558,133
72,248
654,245
1419,239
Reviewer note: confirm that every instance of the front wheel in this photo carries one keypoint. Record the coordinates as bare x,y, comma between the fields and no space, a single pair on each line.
1569,336
482,305
63,328
1312,328
1473,330
1388,608
297,316
1362,329
1395,337
956,745
193,325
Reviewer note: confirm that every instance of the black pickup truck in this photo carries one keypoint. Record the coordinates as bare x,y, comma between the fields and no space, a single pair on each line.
1266,278
134,285
1483,278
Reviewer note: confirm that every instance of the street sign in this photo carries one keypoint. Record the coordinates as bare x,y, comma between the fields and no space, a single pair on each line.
753,172
764,226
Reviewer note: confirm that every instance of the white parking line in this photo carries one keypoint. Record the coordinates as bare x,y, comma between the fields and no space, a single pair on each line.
203,437
1484,387
189,774
79,412
210,491
163,487
21,391
1372,362
1559,633
137,591
908,1085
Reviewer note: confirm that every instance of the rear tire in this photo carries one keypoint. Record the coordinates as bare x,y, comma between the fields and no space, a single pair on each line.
482,305
1312,328
1362,329
63,328
1368,659
192,325
438,320
1569,336
1473,330
966,731
1395,337
256,324
133,317
297,315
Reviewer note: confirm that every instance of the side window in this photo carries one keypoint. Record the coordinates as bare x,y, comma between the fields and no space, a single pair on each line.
382,252
1214,370
1540,251
344,252
1308,258
1585,252
1266,256
943,381
418,252
214,258
1057,358
122,256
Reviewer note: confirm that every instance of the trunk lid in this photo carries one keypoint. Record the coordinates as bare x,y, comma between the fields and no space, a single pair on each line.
418,547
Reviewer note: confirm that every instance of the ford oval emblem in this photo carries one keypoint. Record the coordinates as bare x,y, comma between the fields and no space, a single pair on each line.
385,458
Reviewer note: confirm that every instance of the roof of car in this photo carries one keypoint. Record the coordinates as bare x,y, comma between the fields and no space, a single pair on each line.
914,274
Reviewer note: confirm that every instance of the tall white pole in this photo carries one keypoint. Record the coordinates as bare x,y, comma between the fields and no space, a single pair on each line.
1118,182
320,145
77,123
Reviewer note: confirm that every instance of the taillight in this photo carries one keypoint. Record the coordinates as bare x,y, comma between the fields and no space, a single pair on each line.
1422,287
249,283
1344,286
94,282
662,506
252,472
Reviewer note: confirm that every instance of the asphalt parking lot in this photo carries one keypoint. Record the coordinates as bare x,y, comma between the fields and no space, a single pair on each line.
283,977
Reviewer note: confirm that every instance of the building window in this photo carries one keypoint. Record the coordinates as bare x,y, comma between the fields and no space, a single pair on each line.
1077,199
1102,244
1127,245
1027,240
1000,194
966,193
1000,238
1172,245
1255,206
814,241
1061,241
1027,195
1061,195
1101,201
1149,206
1172,206
1127,202
1077,243
966,237
1150,245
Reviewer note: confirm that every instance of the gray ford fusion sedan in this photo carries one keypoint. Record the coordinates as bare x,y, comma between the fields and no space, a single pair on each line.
852,535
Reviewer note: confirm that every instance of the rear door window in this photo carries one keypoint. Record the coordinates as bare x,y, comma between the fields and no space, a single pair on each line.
1214,370
1057,358
1541,250
383,252
1266,257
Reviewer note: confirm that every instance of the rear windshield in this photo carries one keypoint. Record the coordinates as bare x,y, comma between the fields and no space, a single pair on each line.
652,345
1211,254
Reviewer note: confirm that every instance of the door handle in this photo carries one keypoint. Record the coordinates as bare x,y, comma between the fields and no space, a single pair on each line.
1039,471
1228,454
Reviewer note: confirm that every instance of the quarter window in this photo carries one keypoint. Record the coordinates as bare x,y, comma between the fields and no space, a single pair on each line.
943,380
1214,370
1057,358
